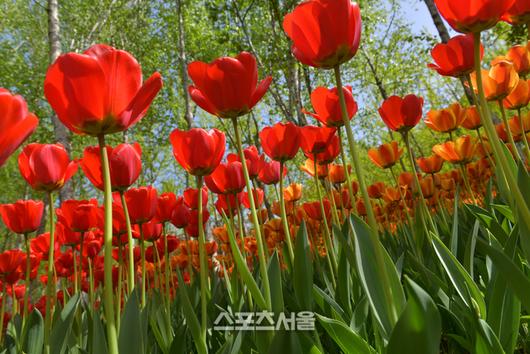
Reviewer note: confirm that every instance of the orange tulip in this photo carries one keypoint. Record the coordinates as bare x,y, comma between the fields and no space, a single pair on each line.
309,168
460,151
376,190
427,187
431,164
519,55
336,174
472,120
520,97
499,81
386,155
446,120
293,193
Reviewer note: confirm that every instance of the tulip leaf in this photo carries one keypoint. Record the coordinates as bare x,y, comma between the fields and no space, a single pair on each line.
454,232
131,338
34,337
275,278
303,269
419,327
523,181
459,277
503,305
348,341
243,270
372,278
63,325
97,341
486,341
191,317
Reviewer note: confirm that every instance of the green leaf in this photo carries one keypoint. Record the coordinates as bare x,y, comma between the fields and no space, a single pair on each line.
132,339
63,325
372,278
454,233
190,316
523,181
97,340
34,333
514,276
459,277
242,268
275,279
344,284
303,269
486,341
504,307
419,327
345,337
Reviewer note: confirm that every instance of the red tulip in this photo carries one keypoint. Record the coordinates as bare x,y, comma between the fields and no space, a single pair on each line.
325,33
22,217
402,114
80,215
141,204
191,198
46,166
316,139
329,154
258,197
281,142
227,204
456,57
518,13
192,228
197,150
270,173
327,106
227,178
165,206
16,123
151,231
125,161
100,91
180,216
41,245
227,87
314,211
473,16
253,157
11,264
65,236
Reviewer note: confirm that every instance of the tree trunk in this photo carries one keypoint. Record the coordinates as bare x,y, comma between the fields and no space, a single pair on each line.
183,64
62,135
444,35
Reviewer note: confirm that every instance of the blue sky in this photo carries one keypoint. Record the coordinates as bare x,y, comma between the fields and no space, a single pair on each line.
419,16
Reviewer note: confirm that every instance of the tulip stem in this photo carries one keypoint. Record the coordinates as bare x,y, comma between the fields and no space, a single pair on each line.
203,264
255,220
28,271
366,198
467,185
50,282
423,203
509,131
330,251
500,159
346,171
130,244
142,263
523,131
3,310
284,217
112,336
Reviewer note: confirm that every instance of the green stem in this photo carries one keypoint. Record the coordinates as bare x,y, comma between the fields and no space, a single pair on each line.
525,139
112,336
203,265
346,171
130,244
467,185
50,283
285,224
28,272
330,252
508,130
366,198
500,158
255,220
142,260
3,311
